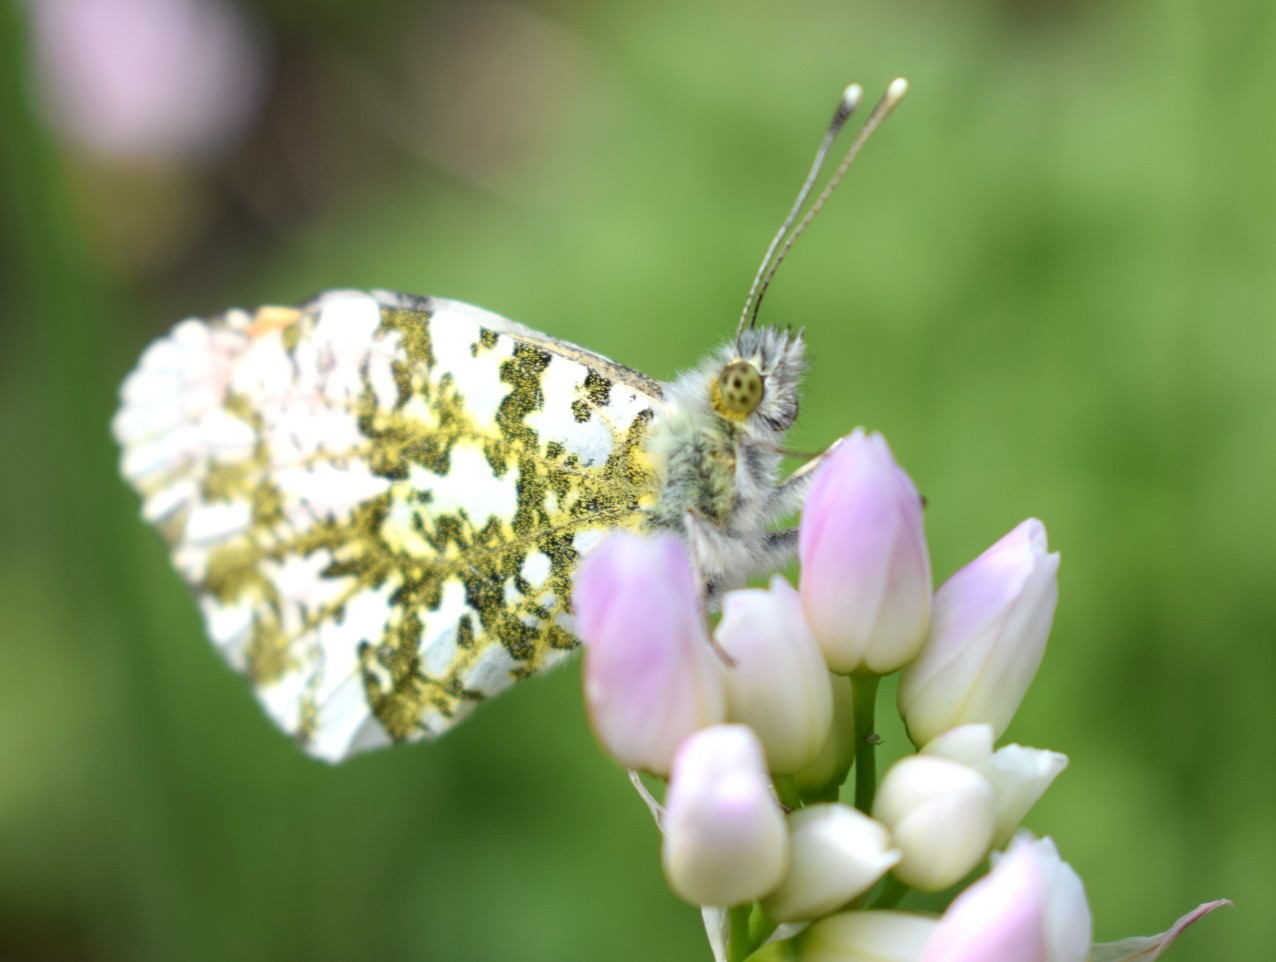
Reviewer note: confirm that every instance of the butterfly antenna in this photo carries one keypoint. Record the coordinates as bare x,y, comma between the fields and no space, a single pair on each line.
845,107
894,94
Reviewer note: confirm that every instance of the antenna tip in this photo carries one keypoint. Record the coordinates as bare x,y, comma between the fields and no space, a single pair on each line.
845,107
897,89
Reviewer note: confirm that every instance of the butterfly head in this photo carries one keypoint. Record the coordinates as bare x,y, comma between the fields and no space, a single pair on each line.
757,379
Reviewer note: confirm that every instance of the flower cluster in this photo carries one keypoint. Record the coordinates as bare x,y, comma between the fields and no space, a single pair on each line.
757,722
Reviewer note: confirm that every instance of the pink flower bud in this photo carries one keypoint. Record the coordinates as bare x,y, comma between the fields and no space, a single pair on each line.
865,569
725,839
987,637
940,814
778,684
156,80
651,678
1031,908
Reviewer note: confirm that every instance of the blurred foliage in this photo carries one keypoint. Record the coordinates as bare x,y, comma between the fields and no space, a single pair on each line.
1049,282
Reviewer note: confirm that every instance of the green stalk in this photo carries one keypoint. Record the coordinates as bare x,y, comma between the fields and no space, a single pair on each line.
738,947
761,926
749,928
864,698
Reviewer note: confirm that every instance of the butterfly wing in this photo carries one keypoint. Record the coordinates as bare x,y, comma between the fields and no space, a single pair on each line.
380,500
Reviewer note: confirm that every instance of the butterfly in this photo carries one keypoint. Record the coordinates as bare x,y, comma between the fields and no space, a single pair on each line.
380,499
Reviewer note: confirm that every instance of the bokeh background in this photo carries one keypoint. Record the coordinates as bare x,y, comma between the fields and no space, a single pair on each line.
1050,281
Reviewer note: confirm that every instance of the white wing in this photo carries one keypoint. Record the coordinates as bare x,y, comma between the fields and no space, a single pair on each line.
380,499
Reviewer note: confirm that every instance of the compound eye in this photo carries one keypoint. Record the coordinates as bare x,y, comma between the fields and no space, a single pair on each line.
741,387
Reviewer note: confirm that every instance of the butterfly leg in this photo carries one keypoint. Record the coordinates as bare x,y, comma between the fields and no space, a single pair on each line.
790,494
777,549
707,547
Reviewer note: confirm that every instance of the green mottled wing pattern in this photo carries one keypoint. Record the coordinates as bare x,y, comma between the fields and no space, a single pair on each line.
380,499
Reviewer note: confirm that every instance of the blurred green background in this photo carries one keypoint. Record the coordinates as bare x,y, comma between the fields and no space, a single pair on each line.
1050,281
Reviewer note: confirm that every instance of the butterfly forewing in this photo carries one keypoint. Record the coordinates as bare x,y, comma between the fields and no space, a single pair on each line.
380,499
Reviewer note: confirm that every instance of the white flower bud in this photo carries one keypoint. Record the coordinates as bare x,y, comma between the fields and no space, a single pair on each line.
940,814
830,766
778,684
725,839
988,631
1019,776
836,854
1031,908
866,937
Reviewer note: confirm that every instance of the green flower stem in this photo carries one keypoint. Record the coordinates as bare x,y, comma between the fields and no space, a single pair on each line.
748,930
760,927
864,698
738,947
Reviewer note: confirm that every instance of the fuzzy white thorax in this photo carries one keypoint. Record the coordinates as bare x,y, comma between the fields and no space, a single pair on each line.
720,472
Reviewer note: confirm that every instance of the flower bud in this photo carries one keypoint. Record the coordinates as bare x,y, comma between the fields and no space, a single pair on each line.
865,569
1031,908
940,814
725,841
866,937
155,83
827,772
836,854
778,684
1019,776
987,636
651,678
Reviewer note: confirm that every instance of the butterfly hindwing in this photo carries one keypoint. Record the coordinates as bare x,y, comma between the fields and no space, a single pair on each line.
380,499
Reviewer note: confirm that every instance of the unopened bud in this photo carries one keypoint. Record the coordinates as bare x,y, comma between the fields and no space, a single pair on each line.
873,936
651,677
1019,776
827,771
725,838
836,854
987,637
940,814
866,581
1030,908
778,683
